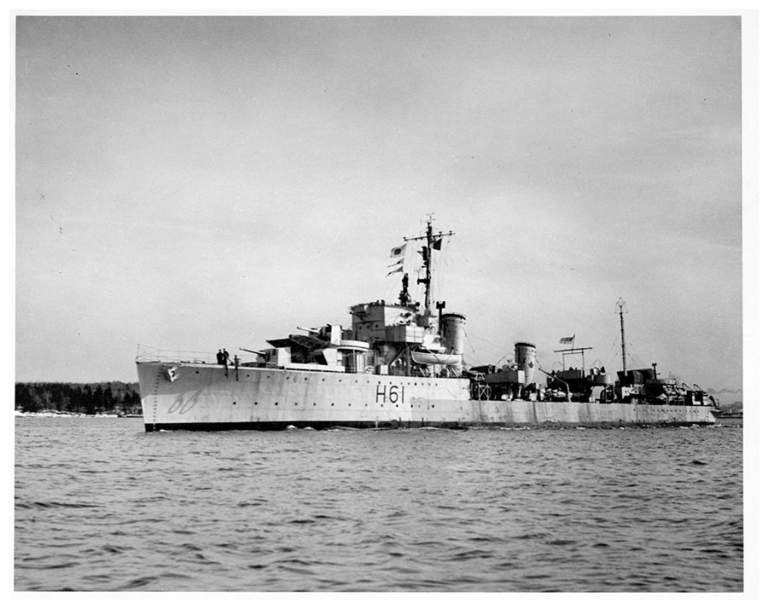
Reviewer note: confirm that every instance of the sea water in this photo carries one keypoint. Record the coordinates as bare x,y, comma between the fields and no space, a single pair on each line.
100,505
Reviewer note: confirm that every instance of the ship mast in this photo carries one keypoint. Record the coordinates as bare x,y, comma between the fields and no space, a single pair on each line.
621,304
433,242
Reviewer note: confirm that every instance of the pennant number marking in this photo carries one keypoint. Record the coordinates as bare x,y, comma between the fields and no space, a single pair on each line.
390,394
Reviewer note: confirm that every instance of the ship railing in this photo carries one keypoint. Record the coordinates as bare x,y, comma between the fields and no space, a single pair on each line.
152,354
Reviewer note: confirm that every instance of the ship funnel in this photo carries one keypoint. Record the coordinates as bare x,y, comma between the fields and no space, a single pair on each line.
525,356
452,331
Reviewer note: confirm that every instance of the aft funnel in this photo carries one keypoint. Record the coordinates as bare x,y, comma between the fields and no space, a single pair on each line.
525,356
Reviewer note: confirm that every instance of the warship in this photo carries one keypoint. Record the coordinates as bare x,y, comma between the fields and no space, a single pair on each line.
400,365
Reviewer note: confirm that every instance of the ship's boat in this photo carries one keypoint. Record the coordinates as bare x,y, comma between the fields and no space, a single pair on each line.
397,364
430,358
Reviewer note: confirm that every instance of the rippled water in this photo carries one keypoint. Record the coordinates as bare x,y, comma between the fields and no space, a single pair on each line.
101,505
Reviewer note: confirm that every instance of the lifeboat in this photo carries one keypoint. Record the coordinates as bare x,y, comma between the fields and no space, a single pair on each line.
431,358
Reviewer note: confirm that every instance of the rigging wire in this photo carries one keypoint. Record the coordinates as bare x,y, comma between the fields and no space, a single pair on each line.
486,341
612,354
463,255
471,346
639,361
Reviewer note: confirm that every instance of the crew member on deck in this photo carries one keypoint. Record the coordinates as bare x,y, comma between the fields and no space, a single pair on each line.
405,297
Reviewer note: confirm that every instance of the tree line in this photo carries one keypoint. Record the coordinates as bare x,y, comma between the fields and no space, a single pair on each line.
84,398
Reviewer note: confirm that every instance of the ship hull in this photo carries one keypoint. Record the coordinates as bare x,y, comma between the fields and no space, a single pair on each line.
210,397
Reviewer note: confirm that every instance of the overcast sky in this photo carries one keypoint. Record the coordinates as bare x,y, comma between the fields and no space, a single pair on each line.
192,183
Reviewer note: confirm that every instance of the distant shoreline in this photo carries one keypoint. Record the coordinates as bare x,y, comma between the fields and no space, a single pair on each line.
62,399
51,414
